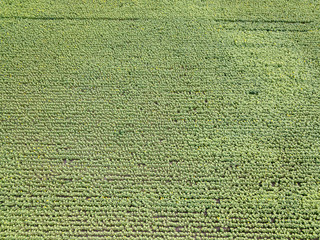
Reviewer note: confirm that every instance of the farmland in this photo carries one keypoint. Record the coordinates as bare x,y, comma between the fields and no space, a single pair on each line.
158,119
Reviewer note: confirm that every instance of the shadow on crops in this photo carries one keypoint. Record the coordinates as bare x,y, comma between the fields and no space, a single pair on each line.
271,30
135,19
261,21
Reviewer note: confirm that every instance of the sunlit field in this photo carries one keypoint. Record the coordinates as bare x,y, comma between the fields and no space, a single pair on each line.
140,119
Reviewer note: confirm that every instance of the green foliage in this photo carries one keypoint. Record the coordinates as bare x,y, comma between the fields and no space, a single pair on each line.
139,119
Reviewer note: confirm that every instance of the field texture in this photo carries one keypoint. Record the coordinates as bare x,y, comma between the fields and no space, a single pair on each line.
164,119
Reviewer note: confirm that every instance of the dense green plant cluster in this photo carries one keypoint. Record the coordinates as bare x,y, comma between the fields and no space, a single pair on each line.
163,120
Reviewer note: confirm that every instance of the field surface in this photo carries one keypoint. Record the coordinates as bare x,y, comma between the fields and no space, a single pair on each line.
163,119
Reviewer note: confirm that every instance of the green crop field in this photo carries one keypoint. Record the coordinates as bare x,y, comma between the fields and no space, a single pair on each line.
160,119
